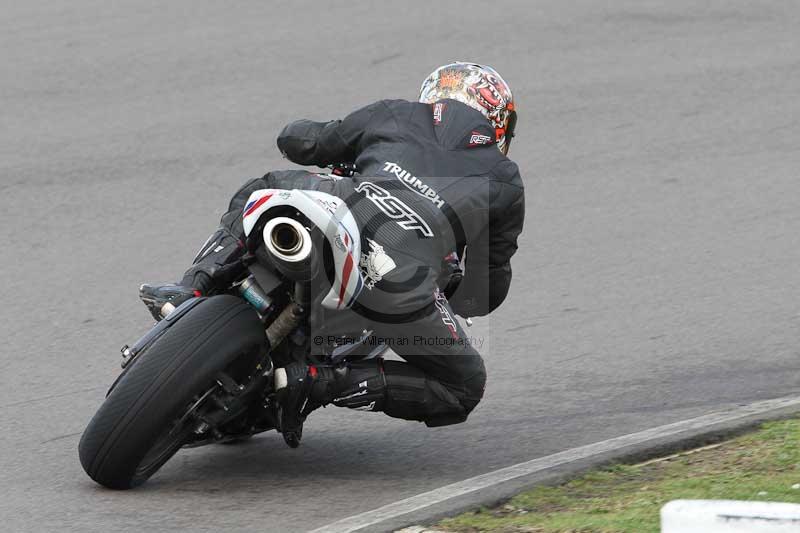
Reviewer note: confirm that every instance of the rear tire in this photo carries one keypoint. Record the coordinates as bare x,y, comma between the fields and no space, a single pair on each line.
134,433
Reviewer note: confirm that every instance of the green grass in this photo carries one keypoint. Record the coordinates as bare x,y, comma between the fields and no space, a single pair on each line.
763,465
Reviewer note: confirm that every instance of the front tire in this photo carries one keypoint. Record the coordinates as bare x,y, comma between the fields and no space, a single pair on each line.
134,432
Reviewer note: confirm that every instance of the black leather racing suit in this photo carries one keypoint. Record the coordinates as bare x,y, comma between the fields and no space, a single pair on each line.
429,181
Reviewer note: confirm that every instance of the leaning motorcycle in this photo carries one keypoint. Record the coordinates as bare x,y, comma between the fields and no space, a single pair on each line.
206,373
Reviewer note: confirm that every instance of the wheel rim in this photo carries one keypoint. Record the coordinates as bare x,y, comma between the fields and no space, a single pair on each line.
169,442
165,447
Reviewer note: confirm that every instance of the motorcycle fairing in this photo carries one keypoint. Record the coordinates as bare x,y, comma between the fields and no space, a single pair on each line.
332,216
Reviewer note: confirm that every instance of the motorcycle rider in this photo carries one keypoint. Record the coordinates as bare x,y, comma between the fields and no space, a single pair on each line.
443,161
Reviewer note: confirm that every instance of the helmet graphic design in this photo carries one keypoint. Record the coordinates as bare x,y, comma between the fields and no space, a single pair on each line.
481,88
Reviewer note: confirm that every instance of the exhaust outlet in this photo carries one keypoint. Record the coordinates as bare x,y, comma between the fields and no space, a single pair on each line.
287,239
292,250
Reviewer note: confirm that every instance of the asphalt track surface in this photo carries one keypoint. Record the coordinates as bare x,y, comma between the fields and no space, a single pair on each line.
658,277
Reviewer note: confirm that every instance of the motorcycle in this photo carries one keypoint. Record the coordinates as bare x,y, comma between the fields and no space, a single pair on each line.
209,370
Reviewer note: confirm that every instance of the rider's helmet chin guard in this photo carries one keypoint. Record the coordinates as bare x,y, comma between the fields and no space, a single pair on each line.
481,88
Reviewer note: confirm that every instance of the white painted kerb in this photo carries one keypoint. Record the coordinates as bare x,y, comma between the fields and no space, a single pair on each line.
728,516
490,479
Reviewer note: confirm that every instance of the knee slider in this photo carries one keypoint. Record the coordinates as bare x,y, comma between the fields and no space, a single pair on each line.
412,396
474,388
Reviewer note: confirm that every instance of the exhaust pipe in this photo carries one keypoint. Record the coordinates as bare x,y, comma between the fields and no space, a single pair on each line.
290,245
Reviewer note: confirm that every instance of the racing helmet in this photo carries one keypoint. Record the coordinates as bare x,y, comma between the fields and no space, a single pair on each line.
481,88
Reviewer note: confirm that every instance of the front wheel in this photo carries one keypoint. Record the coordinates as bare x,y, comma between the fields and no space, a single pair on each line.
141,424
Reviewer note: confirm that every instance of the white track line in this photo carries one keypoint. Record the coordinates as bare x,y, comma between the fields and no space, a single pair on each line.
427,499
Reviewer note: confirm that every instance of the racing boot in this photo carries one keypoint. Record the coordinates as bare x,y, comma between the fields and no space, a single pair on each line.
216,264
161,300
302,388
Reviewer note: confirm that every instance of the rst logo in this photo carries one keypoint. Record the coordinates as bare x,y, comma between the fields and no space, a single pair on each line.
440,300
478,138
438,109
394,208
